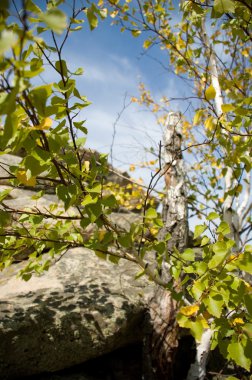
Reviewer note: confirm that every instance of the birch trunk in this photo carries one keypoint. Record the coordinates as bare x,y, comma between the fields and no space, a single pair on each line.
229,213
163,337
198,368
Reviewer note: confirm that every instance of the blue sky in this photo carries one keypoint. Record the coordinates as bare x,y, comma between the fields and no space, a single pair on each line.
114,63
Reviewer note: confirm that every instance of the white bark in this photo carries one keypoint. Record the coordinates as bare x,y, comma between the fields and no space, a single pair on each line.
198,368
163,340
229,214
245,205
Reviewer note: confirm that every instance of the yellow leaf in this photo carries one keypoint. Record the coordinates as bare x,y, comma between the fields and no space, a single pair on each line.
113,14
197,117
156,108
245,52
210,123
132,168
203,322
197,166
238,321
146,44
134,99
101,235
227,107
86,166
237,139
189,310
22,177
45,124
210,93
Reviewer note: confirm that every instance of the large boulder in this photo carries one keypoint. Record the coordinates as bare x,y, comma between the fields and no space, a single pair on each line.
81,308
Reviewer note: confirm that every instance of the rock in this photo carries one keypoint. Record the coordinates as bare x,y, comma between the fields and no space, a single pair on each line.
81,308
122,364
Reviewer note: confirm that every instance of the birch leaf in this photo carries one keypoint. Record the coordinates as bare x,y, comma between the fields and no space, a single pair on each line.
22,177
224,228
221,250
214,304
7,39
236,352
199,229
210,93
189,310
224,6
45,124
227,107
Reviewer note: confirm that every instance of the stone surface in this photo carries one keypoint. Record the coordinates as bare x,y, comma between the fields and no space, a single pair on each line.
81,308
122,364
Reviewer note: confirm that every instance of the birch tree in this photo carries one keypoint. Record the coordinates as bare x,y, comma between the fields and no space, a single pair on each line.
210,295
222,86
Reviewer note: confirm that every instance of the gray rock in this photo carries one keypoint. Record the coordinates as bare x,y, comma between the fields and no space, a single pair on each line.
81,308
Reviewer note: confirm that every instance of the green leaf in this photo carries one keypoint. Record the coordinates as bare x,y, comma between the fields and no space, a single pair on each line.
95,189
214,303
26,276
160,247
188,255
244,262
247,328
125,240
198,288
32,164
136,33
224,6
109,201
205,240
55,20
221,250
248,303
4,194
210,93
61,67
67,194
4,4
151,213
223,228
212,216
94,211
114,259
5,218
39,96
92,18
89,200
7,40
79,71
236,352
101,255
199,229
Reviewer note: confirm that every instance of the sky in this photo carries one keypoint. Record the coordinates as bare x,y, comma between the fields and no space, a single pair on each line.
114,64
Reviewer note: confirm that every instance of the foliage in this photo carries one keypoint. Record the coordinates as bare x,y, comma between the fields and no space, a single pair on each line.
40,121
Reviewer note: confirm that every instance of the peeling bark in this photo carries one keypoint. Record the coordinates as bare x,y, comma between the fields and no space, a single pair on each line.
198,368
229,213
162,340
